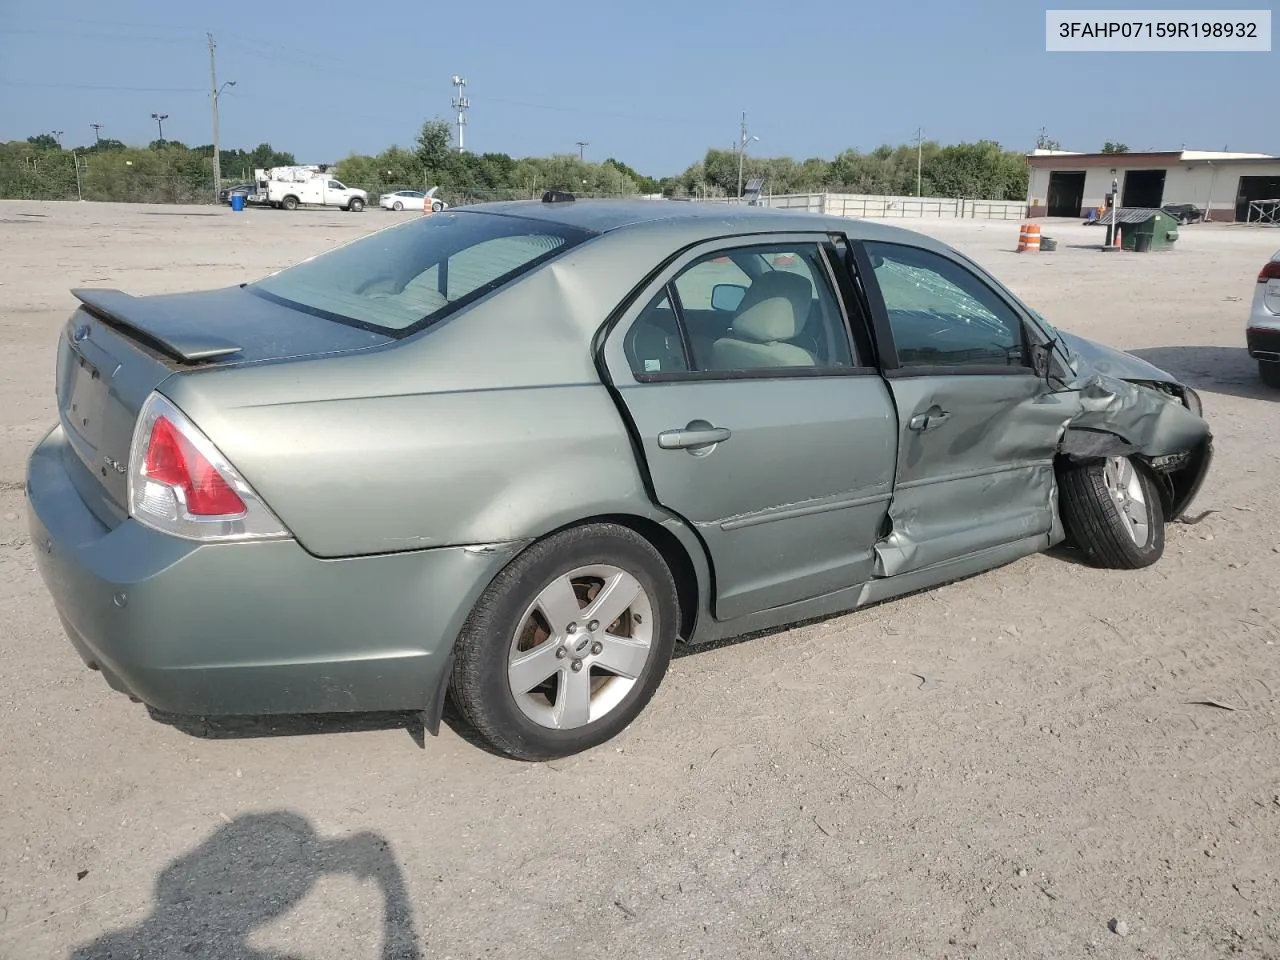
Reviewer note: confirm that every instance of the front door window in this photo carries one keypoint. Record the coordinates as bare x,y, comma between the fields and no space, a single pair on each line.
941,315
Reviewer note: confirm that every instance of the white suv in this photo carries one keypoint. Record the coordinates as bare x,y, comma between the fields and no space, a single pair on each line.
1263,333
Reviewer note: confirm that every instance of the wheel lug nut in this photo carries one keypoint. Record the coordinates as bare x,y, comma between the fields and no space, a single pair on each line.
596,648
593,625
573,628
561,653
576,666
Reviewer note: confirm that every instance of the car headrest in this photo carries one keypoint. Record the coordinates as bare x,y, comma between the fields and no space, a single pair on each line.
775,307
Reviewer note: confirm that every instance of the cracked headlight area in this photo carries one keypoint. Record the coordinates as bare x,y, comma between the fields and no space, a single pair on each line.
1182,395
1192,401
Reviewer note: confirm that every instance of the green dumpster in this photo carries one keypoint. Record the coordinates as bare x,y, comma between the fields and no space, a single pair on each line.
1158,231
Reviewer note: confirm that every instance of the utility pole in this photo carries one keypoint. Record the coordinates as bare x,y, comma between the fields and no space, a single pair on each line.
97,134
461,104
57,135
919,156
582,149
160,118
213,90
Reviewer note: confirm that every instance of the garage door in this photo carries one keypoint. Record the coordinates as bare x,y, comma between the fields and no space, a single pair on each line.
1255,188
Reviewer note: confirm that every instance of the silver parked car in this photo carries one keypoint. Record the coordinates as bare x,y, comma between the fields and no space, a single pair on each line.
1263,333
516,452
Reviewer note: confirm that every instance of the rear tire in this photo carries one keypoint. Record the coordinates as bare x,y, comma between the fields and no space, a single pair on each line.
1112,511
1269,371
517,667
289,203
397,206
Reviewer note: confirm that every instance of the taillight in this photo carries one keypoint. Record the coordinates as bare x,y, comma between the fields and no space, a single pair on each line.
180,483
1270,272
174,463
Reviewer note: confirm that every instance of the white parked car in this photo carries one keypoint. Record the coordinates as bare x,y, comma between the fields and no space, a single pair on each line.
412,200
1263,332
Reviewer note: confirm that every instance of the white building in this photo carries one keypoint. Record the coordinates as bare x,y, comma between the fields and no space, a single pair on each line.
1065,184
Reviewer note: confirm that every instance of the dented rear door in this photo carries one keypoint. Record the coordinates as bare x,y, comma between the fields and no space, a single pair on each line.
978,429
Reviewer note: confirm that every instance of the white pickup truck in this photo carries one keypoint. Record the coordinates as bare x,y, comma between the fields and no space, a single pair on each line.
292,187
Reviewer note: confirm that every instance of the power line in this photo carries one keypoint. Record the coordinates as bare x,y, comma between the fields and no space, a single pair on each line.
149,25
90,36
595,113
95,86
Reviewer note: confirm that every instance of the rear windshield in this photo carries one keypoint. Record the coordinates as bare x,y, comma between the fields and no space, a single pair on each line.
401,279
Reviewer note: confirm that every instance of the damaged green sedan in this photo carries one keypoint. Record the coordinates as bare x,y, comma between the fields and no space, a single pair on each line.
514,453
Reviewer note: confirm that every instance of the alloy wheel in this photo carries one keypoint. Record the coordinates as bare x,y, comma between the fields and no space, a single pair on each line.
580,647
1125,487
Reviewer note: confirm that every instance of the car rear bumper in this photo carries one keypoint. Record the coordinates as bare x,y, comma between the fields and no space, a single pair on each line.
248,628
1263,333
1263,338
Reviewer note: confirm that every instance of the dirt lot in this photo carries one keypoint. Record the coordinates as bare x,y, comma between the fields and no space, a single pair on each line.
995,769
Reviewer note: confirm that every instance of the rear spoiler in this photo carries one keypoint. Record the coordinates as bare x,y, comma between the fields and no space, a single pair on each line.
155,323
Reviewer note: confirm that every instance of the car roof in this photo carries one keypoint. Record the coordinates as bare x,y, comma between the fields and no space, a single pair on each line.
693,220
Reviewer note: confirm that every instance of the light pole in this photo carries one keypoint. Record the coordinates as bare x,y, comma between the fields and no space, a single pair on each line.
919,156
160,118
582,148
57,135
217,147
742,151
97,134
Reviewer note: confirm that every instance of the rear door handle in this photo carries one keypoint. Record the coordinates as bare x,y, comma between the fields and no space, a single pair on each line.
928,421
692,436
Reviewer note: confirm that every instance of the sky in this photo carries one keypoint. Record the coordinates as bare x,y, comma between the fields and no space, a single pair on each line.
653,84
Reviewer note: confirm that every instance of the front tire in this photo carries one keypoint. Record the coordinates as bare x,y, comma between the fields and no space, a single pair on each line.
1112,511
356,205
1269,371
436,206
568,644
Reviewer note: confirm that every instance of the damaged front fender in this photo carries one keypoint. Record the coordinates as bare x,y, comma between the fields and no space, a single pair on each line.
1122,418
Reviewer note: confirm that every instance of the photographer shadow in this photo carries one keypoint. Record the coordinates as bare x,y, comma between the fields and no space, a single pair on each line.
247,874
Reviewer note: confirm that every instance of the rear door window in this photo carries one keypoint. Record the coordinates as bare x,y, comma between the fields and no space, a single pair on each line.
403,278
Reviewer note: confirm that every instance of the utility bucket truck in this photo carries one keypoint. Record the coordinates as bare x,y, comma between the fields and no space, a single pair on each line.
292,187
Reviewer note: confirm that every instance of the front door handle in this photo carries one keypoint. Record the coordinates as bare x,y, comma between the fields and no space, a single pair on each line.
694,435
928,421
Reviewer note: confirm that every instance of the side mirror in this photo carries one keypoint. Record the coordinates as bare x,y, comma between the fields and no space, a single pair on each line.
727,296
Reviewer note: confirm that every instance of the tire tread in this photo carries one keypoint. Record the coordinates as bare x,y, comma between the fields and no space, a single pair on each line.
1094,524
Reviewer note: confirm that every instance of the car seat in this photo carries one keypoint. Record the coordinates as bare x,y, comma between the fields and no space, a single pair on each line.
774,312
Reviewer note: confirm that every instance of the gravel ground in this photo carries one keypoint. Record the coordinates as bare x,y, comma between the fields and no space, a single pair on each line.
1018,765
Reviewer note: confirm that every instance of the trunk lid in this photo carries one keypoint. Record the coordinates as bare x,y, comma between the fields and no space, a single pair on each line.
116,349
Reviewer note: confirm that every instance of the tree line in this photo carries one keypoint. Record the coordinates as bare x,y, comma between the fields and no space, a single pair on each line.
168,171
165,171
